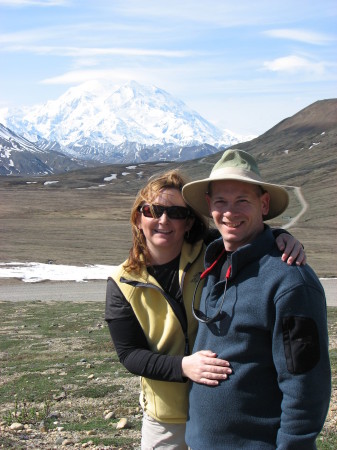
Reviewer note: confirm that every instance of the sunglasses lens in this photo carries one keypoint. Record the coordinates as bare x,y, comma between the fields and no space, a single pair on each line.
173,212
146,210
177,212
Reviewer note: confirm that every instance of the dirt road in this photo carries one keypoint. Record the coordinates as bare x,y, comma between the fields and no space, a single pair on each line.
17,291
53,290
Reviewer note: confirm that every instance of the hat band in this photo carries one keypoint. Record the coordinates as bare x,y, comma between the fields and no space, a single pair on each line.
234,171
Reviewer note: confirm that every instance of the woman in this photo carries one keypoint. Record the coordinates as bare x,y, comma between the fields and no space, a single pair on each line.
149,312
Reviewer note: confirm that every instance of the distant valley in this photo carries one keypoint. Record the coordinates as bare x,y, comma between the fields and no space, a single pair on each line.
82,217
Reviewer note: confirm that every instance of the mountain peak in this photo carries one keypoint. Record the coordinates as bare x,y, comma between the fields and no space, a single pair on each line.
92,119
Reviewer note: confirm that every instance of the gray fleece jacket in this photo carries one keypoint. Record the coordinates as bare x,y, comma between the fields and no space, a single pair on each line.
273,331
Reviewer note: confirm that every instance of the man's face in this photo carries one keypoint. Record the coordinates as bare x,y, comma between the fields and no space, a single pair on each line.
237,209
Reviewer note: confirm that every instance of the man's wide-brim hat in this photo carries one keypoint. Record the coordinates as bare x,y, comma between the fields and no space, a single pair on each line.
240,166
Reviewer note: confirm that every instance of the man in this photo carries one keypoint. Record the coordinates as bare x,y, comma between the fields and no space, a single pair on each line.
266,317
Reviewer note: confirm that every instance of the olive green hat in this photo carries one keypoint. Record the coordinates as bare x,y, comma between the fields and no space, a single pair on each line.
240,166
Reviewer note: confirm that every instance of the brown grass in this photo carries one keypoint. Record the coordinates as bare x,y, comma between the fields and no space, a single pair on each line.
77,221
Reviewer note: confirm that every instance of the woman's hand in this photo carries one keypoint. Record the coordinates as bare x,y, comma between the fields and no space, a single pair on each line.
204,367
292,249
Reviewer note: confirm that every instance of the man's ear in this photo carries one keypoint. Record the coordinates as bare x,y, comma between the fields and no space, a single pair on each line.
208,200
265,200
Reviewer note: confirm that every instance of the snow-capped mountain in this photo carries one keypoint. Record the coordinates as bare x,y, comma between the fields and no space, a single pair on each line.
18,156
128,123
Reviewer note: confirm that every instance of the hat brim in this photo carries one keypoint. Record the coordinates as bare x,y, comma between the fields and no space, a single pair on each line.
194,194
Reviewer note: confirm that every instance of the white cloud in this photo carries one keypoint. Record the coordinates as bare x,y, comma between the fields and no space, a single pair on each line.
3,113
79,76
294,64
99,51
309,37
18,3
85,31
222,14
24,37
196,50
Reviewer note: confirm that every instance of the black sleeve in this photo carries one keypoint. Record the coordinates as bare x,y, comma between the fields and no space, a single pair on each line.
131,344
278,231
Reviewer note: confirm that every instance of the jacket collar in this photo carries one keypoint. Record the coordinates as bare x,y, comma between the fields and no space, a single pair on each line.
244,255
189,253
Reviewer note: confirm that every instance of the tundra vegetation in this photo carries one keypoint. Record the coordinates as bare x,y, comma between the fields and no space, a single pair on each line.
62,381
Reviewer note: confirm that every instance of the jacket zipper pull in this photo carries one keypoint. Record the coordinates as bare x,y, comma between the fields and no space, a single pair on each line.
187,345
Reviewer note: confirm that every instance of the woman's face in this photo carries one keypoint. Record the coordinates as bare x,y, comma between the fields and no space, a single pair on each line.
165,236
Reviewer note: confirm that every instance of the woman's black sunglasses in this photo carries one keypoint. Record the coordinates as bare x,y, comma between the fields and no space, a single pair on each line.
173,212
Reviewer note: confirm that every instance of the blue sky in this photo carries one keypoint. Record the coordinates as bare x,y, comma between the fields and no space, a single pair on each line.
243,65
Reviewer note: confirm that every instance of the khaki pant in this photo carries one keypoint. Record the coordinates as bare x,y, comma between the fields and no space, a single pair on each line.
162,436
